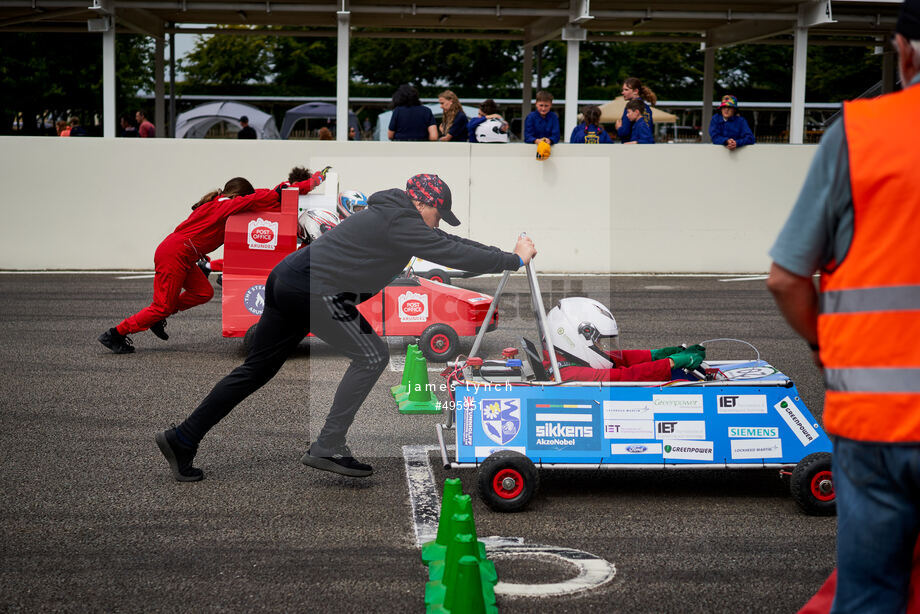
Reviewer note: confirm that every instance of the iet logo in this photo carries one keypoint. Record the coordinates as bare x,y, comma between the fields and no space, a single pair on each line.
728,401
666,427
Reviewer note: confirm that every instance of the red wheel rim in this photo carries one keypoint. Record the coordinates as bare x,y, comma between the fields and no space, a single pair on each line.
439,343
514,486
437,278
822,486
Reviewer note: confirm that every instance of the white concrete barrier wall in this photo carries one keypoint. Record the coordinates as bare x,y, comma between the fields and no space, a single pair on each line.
106,204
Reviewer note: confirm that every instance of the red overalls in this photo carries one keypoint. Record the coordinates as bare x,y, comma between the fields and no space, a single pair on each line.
176,257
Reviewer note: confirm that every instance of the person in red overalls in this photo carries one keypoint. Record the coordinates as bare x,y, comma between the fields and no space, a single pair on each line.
179,283
585,336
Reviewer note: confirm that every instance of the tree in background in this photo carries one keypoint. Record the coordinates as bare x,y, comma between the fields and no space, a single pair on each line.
58,75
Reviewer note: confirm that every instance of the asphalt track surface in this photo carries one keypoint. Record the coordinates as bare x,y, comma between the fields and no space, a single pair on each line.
92,520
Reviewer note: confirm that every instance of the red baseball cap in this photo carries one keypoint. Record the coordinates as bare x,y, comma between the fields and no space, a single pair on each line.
432,191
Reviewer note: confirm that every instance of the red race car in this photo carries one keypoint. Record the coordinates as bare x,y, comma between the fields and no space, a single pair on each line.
437,314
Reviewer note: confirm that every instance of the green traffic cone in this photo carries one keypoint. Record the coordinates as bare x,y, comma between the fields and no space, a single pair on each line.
436,548
461,545
465,595
465,506
462,524
413,356
419,400
404,384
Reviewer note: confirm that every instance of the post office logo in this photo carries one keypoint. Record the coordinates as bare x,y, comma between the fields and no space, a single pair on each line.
412,307
262,234
254,299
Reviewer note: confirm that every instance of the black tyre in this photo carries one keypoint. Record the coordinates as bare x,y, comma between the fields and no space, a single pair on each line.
439,343
812,485
248,337
507,481
439,276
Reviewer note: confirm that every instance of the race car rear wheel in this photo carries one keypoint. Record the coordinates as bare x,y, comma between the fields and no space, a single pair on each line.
507,481
439,276
812,485
439,343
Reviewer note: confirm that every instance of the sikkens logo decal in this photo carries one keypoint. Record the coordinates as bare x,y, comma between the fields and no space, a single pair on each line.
262,234
412,307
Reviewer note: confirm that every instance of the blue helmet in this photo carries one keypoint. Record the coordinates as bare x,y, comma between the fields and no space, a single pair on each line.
351,201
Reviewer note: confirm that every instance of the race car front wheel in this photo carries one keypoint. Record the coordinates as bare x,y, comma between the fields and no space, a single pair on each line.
438,275
507,481
812,485
439,343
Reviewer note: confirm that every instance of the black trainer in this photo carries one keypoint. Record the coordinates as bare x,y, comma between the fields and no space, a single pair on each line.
118,343
341,461
205,266
159,329
179,456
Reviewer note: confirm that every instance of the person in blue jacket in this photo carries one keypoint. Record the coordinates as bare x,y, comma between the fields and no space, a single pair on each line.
411,121
728,128
542,124
590,132
633,89
641,133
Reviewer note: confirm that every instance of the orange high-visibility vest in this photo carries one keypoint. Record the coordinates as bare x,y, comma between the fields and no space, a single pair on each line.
869,322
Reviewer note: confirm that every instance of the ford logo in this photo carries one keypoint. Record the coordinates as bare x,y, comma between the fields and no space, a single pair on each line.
636,449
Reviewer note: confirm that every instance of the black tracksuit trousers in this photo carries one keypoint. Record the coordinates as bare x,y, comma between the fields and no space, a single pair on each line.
291,312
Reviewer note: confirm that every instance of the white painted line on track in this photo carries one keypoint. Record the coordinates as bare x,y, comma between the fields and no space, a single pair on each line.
72,272
748,278
425,501
146,276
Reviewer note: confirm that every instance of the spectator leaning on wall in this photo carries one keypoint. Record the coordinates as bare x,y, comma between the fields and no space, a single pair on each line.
728,128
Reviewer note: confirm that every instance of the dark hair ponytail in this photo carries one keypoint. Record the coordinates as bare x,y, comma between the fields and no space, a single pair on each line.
644,92
237,186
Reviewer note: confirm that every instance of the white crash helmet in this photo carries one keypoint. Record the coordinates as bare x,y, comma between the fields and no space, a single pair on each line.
314,222
351,201
490,131
584,329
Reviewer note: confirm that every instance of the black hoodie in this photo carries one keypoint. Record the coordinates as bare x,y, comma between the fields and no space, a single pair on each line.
369,248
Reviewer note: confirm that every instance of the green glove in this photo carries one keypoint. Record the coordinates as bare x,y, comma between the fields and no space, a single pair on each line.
687,360
697,349
324,171
665,352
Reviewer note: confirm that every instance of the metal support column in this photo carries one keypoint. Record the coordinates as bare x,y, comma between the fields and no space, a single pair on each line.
572,35
527,80
709,62
172,82
159,105
341,76
109,113
799,65
889,71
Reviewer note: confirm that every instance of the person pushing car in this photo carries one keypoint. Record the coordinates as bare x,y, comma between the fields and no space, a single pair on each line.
317,289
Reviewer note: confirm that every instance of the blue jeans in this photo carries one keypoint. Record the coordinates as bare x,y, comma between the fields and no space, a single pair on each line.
878,522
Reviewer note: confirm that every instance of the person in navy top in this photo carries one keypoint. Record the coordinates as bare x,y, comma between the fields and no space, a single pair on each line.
453,121
728,128
542,124
410,120
633,89
641,133
590,132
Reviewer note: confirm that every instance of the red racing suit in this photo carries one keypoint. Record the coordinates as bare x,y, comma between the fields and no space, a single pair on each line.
630,366
178,283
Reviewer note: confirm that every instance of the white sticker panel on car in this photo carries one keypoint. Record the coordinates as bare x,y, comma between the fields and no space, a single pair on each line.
796,421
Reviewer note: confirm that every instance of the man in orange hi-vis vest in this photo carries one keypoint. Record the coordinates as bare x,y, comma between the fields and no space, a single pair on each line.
857,220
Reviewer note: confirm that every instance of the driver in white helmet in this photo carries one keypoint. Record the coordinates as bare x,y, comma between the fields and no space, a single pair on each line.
349,202
586,338
312,223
